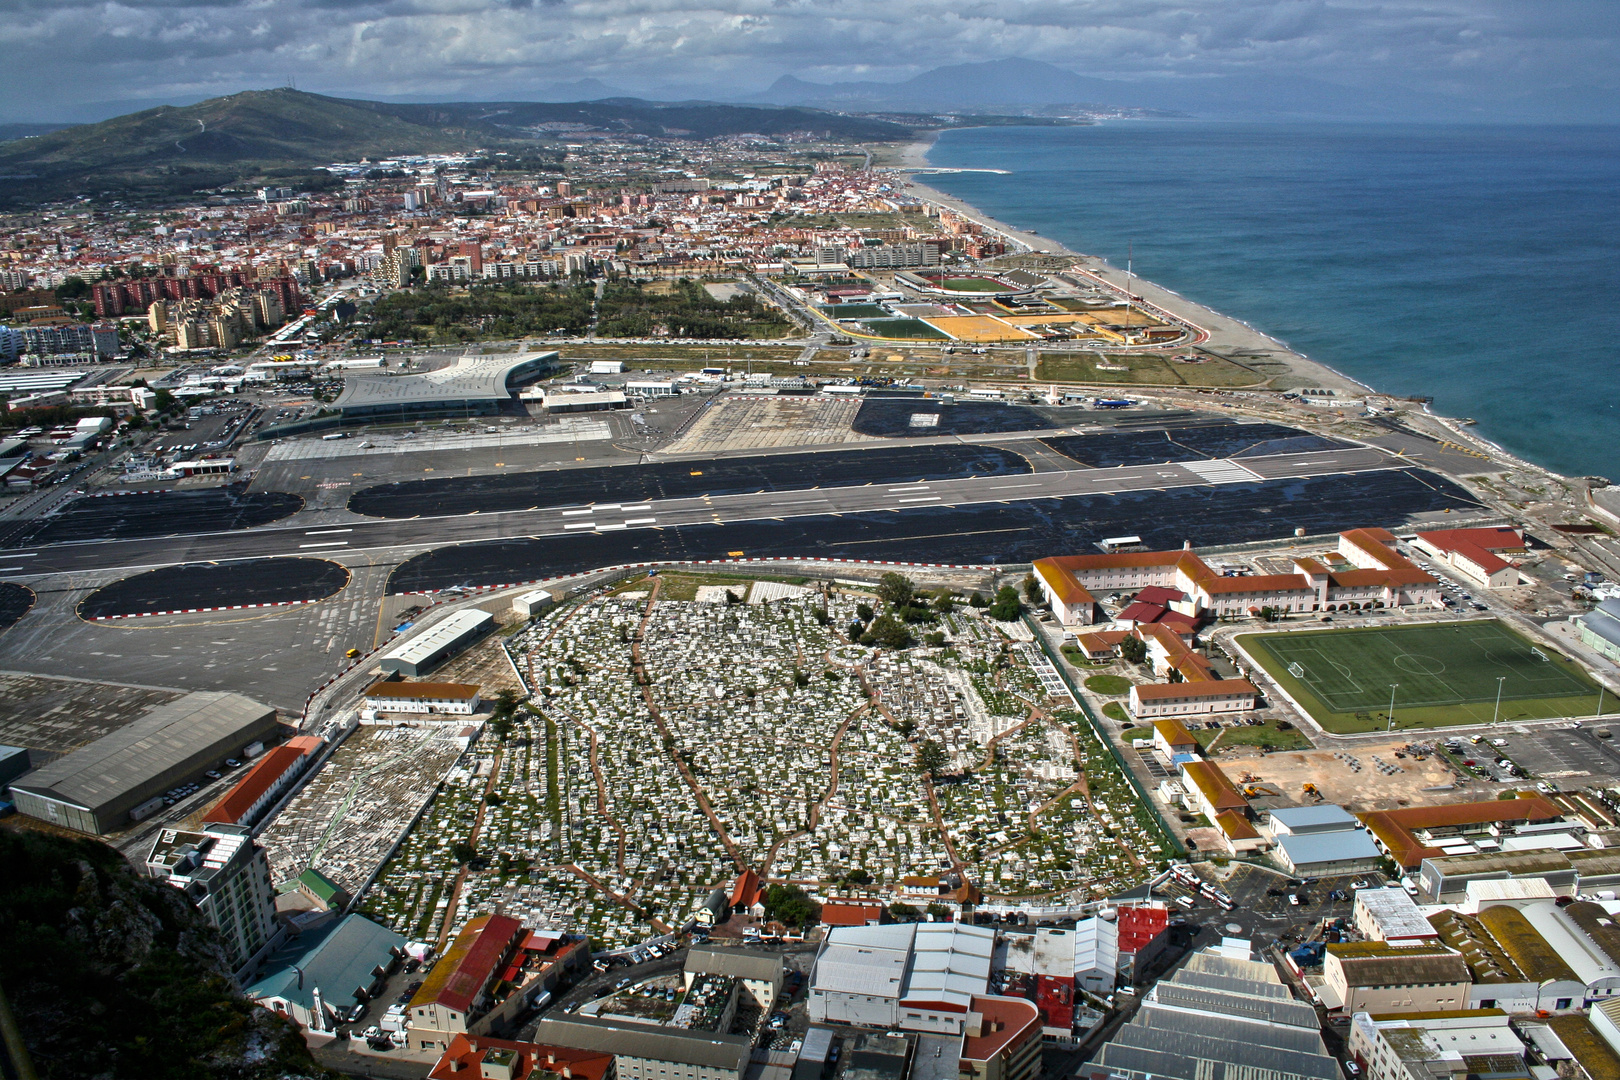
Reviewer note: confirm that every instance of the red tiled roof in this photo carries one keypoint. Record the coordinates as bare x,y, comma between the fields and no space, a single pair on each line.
1236,826
1181,624
534,1060
1140,612
1397,829
1497,539
234,807
836,912
1158,594
1257,583
746,888
1213,688
1174,733
441,691
1216,786
1062,582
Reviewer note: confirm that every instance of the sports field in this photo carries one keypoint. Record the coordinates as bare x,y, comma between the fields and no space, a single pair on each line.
1442,674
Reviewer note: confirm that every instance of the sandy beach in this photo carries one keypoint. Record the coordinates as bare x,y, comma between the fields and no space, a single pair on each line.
1227,336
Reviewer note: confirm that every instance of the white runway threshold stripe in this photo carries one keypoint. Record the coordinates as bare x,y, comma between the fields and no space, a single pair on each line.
640,521
326,532
920,499
580,525
328,543
1222,471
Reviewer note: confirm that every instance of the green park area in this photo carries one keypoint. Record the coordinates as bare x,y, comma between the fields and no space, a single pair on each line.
910,329
972,284
1440,674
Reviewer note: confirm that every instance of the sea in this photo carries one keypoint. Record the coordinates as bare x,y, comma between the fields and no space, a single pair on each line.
1477,265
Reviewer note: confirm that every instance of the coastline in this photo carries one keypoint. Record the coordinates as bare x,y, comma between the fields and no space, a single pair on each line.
1227,334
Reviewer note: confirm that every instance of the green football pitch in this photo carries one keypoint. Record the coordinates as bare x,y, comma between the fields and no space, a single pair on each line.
973,284
1442,674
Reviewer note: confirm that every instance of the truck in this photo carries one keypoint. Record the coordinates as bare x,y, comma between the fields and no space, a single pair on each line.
334,436
1112,403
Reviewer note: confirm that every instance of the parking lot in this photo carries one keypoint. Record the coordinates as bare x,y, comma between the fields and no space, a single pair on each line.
1262,911
1564,756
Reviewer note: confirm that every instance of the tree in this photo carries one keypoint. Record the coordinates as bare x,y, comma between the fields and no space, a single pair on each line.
887,632
74,288
903,912
463,852
1032,589
1006,607
502,726
944,604
939,911
864,612
1133,649
894,589
820,615
857,876
935,640
1175,675
976,600
930,757
790,904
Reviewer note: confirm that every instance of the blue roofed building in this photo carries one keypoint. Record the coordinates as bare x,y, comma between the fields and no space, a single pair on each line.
1322,840
321,974
1600,629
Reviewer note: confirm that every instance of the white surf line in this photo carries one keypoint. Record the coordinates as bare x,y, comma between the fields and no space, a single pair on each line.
640,521
576,513
325,532
581,525
329,543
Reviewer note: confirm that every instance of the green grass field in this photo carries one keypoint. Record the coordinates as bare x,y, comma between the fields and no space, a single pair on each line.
903,329
972,285
1443,674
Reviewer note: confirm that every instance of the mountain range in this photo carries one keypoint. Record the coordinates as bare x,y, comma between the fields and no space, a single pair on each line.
286,135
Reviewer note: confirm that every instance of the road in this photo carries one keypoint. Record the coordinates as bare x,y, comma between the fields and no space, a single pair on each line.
398,535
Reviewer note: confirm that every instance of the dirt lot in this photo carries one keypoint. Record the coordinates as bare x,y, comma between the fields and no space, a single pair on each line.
484,664
752,423
1368,789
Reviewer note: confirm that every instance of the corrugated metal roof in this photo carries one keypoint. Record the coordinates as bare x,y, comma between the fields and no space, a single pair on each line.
471,378
164,737
423,646
628,1038
1313,849
338,959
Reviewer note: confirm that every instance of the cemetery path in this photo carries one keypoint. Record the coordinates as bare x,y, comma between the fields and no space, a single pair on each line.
602,794
472,839
639,672
814,817
618,898
939,823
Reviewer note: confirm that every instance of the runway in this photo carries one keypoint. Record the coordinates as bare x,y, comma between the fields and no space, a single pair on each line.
1267,504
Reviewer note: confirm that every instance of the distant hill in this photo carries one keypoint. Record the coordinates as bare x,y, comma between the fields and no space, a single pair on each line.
284,134
26,131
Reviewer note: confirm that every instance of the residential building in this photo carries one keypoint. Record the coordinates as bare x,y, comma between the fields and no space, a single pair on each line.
852,911
263,785
1002,1040
1477,553
651,1052
1172,739
1381,977
472,1057
1144,934
317,977
226,876
1217,1018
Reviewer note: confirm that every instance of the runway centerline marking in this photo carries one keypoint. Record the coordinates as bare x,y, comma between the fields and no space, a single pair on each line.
329,543
639,506
610,528
581,525
326,532
910,487
640,521
925,498
576,513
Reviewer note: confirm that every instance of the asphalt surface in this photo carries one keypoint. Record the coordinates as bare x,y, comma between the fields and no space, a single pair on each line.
1323,492
1143,447
15,600
976,533
155,513
200,585
891,418
682,479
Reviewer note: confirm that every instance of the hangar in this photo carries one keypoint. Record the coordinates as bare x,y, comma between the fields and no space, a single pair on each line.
101,787
446,638
472,386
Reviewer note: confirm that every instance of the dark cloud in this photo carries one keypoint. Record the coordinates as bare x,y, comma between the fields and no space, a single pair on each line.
1490,57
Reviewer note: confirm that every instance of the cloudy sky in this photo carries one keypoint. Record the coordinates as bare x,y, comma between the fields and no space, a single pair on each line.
1539,60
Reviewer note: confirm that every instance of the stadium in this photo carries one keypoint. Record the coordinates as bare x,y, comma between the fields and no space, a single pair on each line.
1439,674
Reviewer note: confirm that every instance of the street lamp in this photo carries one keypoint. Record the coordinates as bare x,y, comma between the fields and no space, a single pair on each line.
1392,687
1500,679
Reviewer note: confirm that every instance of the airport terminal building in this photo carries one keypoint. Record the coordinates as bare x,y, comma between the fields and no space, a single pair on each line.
472,386
121,777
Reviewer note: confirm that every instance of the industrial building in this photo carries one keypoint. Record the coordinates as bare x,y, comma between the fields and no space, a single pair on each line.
1385,977
1217,1018
443,640
473,386
455,699
1511,964
14,761
533,603
121,777
1321,841
1600,629
914,976
1473,1042
226,876
1390,914
321,974
1414,833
